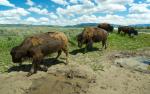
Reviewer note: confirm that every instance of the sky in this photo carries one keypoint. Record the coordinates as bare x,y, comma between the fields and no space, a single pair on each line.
71,12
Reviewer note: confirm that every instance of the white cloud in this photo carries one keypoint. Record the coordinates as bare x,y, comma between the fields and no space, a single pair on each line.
30,2
60,2
6,3
74,1
89,9
10,20
38,10
44,19
121,1
53,16
139,8
31,20
14,12
148,0
39,21
114,1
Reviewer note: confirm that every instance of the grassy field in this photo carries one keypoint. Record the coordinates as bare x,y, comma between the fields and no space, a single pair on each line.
12,36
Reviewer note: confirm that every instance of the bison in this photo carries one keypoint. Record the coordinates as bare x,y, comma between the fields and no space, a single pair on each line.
38,46
90,35
106,26
127,30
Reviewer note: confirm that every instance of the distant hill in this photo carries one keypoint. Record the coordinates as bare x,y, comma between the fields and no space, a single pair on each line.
22,25
88,24
82,25
77,25
140,25
115,25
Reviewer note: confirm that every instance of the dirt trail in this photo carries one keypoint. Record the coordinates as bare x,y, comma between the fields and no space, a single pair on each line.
84,75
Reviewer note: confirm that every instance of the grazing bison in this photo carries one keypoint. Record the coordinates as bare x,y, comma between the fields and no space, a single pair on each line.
90,35
38,46
127,30
106,26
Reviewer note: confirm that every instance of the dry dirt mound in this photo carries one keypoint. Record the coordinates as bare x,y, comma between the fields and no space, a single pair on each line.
60,79
115,80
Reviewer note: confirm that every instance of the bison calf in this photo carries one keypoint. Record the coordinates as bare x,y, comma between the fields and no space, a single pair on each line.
90,35
38,46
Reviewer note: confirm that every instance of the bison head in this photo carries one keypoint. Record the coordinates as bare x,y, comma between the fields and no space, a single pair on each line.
16,55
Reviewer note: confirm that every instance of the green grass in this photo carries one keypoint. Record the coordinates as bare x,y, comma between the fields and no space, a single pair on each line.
11,36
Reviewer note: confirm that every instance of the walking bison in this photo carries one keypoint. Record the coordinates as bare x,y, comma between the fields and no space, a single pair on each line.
38,46
90,35
127,30
106,26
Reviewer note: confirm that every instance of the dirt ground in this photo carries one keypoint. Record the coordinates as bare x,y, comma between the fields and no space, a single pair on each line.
81,78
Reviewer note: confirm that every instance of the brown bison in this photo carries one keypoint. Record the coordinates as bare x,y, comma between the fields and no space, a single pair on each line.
127,30
106,26
38,46
90,35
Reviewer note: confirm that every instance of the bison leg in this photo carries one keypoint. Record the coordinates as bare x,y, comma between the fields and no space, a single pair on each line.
90,45
104,44
35,64
33,69
118,31
85,49
59,53
66,52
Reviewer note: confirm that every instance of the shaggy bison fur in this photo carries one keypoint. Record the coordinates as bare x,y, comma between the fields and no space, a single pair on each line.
90,35
38,46
106,26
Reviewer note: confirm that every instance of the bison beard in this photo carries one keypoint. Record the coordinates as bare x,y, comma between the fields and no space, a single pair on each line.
39,46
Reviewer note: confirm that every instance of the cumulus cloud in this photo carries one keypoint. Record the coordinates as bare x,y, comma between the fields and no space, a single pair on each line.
79,11
10,20
12,16
74,1
114,1
39,21
139,8
89,9
148,0
31,20
53,16
38,10
60,2
14,12
6,3
30,3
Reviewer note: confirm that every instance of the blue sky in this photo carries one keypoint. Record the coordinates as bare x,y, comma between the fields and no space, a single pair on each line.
70,12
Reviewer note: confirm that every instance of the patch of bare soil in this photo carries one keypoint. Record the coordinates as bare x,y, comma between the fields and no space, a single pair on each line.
60,79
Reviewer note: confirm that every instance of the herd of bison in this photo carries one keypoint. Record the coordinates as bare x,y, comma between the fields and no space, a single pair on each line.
38,46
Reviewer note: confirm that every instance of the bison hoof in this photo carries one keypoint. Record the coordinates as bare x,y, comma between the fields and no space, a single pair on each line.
29,74
44,69
66,63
